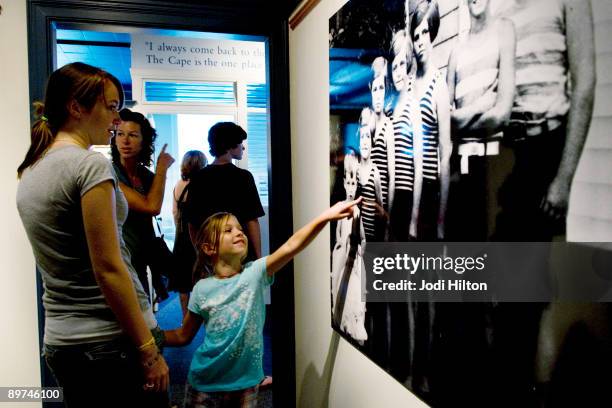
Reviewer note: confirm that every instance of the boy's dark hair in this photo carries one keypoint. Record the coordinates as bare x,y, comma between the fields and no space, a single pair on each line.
223,136
426,9
145,157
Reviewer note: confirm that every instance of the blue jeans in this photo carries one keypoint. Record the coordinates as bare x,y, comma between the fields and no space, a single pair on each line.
106,374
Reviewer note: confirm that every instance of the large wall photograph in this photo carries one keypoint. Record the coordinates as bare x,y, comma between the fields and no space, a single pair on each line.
466,121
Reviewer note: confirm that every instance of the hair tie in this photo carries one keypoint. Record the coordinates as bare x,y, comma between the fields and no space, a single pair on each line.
44,118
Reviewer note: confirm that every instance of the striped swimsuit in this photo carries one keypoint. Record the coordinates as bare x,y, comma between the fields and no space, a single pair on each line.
404,148
403,134
541,62
477,74
379,156
429,119
368,209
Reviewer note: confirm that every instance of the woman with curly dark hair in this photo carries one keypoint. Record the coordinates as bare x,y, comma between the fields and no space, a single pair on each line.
132,149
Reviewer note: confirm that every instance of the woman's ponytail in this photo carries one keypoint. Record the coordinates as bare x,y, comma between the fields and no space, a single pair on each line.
77,82
41,137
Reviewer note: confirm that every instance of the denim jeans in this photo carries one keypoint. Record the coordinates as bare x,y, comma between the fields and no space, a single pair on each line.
106,374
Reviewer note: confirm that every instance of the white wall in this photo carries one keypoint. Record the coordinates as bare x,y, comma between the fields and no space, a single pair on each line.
329,371
19,353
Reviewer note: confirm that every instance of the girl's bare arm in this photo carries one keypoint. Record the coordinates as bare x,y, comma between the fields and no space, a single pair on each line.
306,234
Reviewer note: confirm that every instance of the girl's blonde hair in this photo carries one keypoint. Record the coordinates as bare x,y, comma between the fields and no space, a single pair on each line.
367,119
379,67
400,42
351,163
209,234
193,161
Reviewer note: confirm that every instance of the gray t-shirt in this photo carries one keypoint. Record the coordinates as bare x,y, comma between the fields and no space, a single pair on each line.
49,204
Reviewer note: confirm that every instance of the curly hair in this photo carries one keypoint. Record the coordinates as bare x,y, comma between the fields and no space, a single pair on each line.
145,157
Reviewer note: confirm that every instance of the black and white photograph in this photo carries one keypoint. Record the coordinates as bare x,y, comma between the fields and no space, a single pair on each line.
465,121
307,203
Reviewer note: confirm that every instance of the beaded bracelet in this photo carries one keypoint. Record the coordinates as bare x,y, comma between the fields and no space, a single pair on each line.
153,361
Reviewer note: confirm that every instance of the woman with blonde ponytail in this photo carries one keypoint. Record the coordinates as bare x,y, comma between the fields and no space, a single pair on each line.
101,337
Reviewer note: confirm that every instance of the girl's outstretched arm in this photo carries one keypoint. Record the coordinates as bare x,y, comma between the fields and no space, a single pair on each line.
186,333
306,234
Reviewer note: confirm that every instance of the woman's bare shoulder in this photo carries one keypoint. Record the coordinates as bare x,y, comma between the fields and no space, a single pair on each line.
179,187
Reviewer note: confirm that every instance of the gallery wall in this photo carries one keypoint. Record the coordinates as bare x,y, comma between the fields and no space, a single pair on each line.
329,371
19,351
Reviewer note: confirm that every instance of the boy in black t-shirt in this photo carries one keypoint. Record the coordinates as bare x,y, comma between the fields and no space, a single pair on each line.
223,187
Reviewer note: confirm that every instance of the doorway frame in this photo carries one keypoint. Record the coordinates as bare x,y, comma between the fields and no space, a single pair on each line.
254,17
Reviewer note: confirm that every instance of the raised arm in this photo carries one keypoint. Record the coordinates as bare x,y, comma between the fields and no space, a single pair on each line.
494,119
152,202
185,334
303,237
100,224
581,56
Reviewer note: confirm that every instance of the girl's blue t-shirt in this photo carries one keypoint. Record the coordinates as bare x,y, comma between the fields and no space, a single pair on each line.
233,309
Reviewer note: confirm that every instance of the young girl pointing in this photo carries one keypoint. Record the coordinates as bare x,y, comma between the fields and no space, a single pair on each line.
227,368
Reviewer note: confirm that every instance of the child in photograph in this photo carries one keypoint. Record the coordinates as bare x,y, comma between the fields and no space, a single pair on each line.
383,149
480,79
434,131
369,180
481,84
227,368
347,263
408,156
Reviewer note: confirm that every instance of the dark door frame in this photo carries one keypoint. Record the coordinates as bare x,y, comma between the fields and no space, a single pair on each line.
255,17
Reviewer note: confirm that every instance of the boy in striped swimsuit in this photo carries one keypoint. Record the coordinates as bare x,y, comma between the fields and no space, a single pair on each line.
481,84
369,180
383,149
